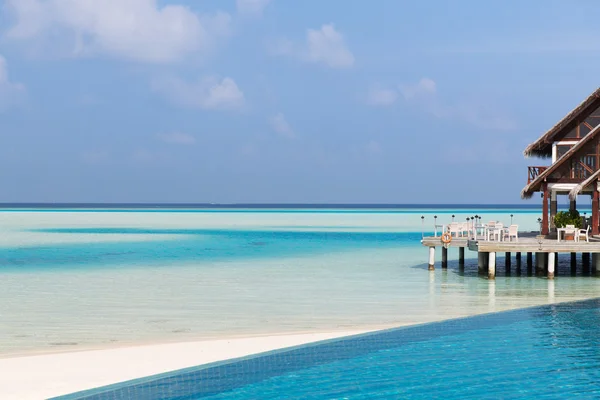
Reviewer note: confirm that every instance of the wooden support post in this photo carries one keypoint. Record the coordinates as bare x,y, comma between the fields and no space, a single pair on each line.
518,261
431,258
539,263
556,261
573,263
507,259
545,209
444,257
595,262
480,262
461,256
492,266
585,260
553,210
551,260
529,260
595,212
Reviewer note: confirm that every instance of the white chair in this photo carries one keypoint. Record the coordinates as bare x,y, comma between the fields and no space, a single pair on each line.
583,234
453,228
512,232
489,228
571,230
497,231
464,229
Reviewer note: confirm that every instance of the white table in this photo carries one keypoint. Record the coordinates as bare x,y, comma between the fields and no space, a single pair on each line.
559,231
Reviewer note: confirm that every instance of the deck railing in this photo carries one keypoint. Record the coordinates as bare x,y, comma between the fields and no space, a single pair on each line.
533,172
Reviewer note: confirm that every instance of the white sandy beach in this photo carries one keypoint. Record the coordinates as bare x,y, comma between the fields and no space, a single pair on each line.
44,376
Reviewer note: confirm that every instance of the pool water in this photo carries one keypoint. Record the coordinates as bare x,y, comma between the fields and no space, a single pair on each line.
541,352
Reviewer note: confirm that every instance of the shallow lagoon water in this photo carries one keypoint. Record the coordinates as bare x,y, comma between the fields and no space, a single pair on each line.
74,280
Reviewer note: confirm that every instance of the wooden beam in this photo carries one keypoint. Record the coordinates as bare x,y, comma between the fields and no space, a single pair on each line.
545,230
595,219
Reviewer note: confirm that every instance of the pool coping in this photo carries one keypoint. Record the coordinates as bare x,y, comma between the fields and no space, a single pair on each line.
455,325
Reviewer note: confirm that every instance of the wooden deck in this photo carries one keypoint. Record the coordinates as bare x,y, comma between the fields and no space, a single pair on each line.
528,242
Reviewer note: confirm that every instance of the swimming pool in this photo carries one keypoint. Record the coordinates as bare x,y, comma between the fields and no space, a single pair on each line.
541,352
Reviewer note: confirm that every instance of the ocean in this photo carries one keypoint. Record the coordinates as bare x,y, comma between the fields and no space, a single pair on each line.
85,278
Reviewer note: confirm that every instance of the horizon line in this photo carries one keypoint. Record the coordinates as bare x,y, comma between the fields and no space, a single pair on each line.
262,205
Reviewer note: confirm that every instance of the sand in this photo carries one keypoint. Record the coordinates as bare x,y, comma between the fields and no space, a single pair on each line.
44,376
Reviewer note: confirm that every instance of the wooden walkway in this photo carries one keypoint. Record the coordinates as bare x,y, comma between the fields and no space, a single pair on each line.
528,242
546,250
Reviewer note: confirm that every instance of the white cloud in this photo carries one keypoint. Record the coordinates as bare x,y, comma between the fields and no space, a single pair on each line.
11,93
323,46
424,94
378,96
281,126
424,88
251,7
177,138
209,93
137,30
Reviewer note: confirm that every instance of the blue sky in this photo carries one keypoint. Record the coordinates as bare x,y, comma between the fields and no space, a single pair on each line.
342,101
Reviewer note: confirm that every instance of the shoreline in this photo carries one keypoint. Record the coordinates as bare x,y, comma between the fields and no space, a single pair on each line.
65,372
58,374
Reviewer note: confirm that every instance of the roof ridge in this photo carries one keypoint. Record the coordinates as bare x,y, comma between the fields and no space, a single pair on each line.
557,163
577,189
531,149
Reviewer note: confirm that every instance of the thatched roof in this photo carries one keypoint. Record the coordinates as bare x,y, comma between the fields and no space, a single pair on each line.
528,190
577,189
543,146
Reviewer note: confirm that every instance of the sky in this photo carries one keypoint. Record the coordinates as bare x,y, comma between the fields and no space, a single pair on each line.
281,101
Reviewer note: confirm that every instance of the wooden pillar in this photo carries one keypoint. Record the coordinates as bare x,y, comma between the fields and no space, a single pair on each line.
431,258
595,262
492,265
551,260
595,219
507,262
545,209
480,262
444,257
553,210
573,263
518,262
461,257
585,260
529,259
539,263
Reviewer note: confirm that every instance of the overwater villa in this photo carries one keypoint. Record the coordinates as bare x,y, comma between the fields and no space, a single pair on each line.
573,146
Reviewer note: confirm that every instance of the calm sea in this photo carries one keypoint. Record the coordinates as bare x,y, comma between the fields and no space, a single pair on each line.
78,277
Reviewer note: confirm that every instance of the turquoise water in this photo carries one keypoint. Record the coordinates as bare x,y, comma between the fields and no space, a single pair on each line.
547,352
184,245
84,279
